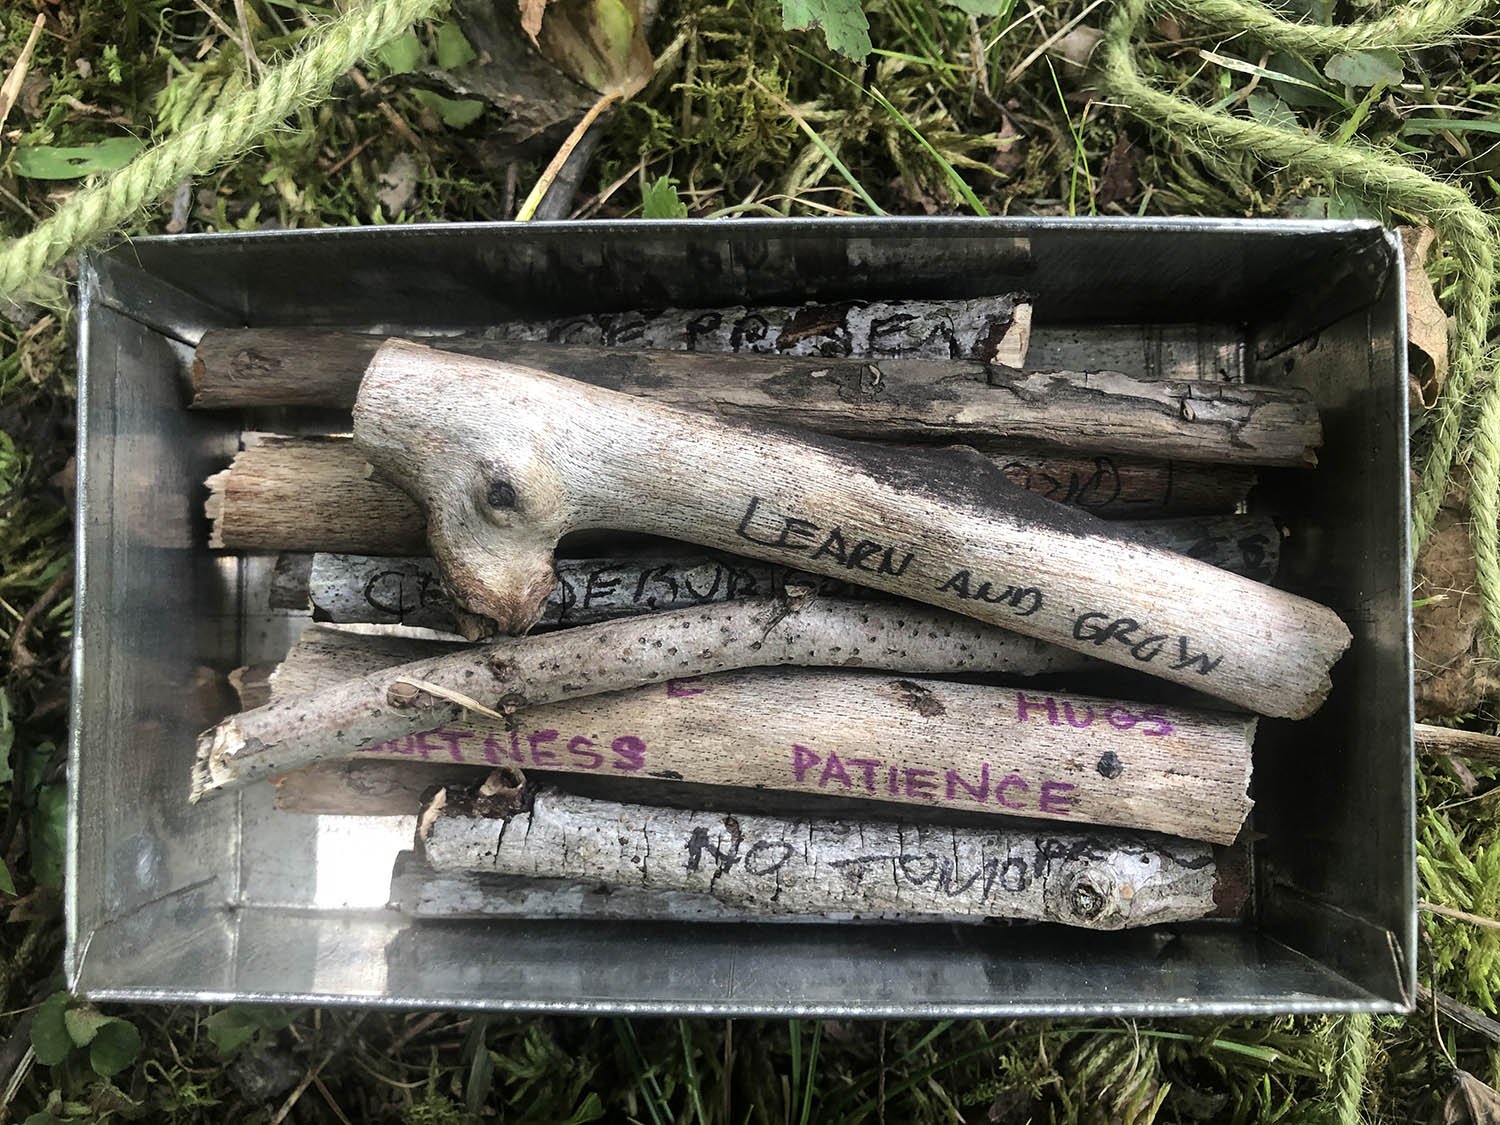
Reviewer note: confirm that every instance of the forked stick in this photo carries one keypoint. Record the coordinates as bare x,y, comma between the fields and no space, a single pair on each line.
505,460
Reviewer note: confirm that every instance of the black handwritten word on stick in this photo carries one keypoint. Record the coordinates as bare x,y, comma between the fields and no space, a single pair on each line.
1178,652
848,548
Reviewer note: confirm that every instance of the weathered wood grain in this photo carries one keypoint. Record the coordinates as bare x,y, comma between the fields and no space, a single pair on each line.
960,747
937,400
283,493
505,460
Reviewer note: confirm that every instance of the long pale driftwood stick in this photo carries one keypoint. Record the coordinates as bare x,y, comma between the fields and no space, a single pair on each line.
505,460
1023,752
1099,880
608,656
935,400
243,367
408,591
307,494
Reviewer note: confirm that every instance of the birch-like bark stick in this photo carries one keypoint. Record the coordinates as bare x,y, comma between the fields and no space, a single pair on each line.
1018,751
1097,880
354,589
610,656
506,460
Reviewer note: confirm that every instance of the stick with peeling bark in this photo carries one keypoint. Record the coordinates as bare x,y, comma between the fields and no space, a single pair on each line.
505,460
246,367
501,679
958,747
317,494
409,591
982,404
1099,880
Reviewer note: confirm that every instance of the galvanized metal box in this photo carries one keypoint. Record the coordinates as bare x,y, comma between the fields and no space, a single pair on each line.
230,900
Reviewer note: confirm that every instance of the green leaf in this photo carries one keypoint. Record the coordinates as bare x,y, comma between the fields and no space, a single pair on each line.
49,1030
114,1048
47,162
659,200
981,7
453,49
1269,109
1416,126
42,1117
7,881
229,1029
83,1023
454,112
49,834
843,22
1365,68
1298,83
590,1109
402,54
7,738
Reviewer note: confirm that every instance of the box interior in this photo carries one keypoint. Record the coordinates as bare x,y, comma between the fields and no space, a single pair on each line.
231,899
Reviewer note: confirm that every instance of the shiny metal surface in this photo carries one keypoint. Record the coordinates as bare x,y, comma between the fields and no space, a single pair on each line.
231,900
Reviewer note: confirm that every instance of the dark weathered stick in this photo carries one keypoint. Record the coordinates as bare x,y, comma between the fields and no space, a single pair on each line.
407,591
506,460
935,400
309,494
959,747
610,656
1098,880
240,367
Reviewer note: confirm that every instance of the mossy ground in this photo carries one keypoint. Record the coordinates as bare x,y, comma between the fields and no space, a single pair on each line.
970,115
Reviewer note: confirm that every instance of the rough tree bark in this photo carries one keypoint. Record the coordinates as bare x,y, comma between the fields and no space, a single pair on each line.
1097,880
408,591
505,460
930,400
308,494
963,747
609,656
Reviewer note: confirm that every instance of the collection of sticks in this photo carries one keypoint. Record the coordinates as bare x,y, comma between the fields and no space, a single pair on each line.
776,609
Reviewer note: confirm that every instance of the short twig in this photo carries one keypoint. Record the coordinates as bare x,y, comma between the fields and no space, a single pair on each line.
1461,915
21,657
1461,1014
11,90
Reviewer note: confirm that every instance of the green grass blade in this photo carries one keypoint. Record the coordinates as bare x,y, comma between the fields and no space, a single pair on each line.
693,1084
1417,126
954,179
822,145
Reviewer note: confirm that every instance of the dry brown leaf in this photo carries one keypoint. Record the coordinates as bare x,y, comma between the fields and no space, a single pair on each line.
600,43
1426,323
1119,180
531,17
1470,1102
1453,673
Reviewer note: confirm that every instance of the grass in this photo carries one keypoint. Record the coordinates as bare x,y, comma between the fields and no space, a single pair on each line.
950,115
